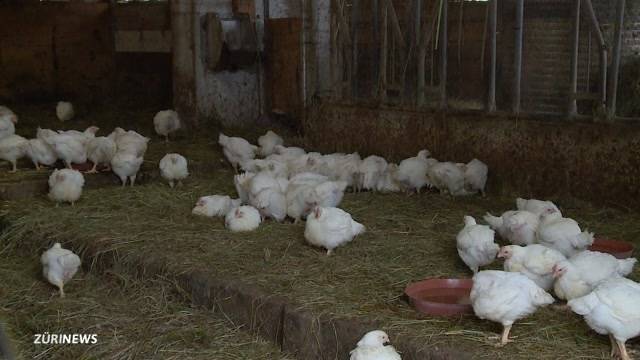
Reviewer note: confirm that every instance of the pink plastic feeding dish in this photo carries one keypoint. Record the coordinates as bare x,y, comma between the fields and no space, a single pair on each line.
619,249
441,297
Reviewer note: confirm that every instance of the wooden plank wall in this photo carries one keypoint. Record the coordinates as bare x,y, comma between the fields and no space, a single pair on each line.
55,49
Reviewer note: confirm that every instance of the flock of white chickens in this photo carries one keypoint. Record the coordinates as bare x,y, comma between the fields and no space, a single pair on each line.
121,151
548,251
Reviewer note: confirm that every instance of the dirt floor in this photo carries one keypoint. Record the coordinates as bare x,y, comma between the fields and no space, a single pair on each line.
408,238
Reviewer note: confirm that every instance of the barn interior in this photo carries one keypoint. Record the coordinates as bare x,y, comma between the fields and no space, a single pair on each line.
546,93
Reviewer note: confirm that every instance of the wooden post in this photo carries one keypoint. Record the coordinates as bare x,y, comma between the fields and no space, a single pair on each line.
382,84
397,32
595,27
493,21
355,19
573,103
421,52
517,68
460,34
615,62
183,61
444,42
375,49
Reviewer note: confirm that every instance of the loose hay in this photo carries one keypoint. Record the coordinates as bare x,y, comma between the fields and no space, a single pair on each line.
407,239
133,319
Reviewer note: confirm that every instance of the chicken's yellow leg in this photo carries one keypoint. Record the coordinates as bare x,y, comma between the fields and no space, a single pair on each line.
623,350
505,336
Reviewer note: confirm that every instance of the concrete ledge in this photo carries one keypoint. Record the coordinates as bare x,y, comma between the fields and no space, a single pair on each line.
295,330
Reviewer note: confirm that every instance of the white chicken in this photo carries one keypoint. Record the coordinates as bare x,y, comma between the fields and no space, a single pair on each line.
65,186
447,177
7,125
518,227
374,345
100,150
330,228
8,114
130,142
173,167
82,136
289,152
68,148
370,171
266,195
475,176
64,111
562,234
59,266
302,198
271,203
242,182
243,218
412,172
41,153
505,297
533,261
613,309
476,245
268,143
166,122
537,207
387,183
126,166
329,193
215,205
12,149
236,150
345,168
580,274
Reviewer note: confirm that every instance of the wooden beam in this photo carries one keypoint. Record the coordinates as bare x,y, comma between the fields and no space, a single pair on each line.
355,19
595,24
615,62
375,49
595,27
444,42
517,68
573,104
493,21
397,32
382,83
421,53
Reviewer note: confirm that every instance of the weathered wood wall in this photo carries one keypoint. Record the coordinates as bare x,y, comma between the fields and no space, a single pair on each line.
50,51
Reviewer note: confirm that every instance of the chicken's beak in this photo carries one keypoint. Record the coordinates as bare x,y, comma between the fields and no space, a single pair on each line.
500,254
556,272
386,343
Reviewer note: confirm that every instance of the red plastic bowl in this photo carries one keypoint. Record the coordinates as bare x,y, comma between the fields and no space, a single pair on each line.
619,249
441,297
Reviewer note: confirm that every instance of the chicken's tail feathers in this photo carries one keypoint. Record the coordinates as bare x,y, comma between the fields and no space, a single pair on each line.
222,139
625,266
583,239
70,260
357,228
521,203
542,298
584,305
493,221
